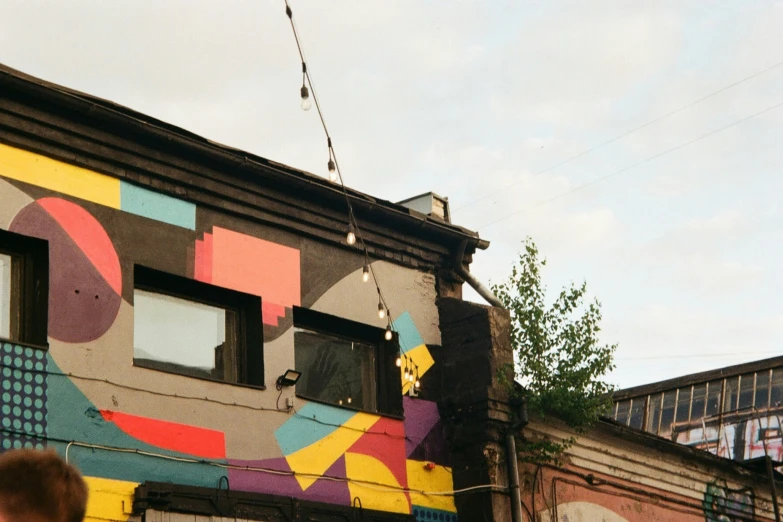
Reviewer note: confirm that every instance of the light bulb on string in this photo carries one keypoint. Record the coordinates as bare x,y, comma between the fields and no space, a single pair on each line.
388,335
366,272
349,400
332,170
406,373
381,311
417,384
398,362
350,238
306,103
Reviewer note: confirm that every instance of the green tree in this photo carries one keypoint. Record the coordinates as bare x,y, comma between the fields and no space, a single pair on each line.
558,358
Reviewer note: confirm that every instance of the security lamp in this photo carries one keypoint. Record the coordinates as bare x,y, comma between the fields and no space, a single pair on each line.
289,378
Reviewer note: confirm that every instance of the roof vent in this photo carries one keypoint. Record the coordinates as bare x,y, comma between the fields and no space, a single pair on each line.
430,204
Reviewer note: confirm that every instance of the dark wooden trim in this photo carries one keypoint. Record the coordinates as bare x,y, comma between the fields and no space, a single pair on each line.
388,384
224,502
698,378
68,125
33,286
250,338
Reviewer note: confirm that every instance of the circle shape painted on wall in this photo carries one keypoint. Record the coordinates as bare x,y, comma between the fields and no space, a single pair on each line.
83,264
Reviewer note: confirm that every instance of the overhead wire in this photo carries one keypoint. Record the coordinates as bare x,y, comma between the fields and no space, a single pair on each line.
622,135
632,166
366,483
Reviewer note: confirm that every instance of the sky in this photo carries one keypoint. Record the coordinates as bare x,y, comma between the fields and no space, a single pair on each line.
676,227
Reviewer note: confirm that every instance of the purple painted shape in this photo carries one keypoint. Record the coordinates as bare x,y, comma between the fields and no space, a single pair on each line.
420,417
433,448
82,305
328,491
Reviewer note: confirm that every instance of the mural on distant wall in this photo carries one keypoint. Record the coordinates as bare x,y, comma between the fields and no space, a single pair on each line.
97,227
563,497
755,436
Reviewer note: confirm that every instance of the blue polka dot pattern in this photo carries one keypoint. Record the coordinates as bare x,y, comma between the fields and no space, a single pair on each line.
22,397
425,514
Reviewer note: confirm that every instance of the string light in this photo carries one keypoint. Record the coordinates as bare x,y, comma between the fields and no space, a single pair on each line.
335,175
349,400
398,362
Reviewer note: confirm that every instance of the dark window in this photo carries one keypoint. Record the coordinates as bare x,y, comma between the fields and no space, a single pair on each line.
698,400
776,392
762,390
637,412
730,395
196,329
24,288
746,391
623,409
714,390
684,405
667,413
346,363
654,413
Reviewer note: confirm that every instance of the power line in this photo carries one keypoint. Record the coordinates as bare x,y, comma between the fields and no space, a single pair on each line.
637,164
623,135
694,356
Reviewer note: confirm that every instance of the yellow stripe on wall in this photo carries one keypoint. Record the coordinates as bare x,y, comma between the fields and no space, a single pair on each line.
51,174
109,500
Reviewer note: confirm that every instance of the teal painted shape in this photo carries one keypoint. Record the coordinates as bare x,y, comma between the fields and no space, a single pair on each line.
306,427
427,514
159,207
408,333
72,417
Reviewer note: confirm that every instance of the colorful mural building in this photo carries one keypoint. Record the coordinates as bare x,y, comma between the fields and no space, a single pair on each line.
186,323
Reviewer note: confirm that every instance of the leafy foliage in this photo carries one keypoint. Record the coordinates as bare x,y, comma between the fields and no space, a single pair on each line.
557,356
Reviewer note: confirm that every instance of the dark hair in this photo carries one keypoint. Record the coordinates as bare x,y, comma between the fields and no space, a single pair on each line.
40,482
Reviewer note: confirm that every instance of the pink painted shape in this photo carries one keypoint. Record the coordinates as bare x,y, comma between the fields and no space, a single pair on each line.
89,236
208,255
198,269
255,266
272,312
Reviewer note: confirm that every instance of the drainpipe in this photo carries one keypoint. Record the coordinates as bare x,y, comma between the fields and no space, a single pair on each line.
469,278
512,468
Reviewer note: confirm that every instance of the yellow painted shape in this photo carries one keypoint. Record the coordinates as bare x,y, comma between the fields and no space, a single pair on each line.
109,499
436,480
364,467
316,458
421,356
51,174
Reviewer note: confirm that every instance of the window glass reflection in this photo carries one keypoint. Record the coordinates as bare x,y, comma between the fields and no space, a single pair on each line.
637,412
654,413
623,410
762,390
746,391
667,414
182,336
714,389
683,404
698,400
335,370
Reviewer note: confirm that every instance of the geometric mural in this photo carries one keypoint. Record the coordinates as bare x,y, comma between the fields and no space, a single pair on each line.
23,391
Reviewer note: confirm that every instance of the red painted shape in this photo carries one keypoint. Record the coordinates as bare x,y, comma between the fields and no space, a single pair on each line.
89,236
208,256
385,441
198,266
201,442
251,265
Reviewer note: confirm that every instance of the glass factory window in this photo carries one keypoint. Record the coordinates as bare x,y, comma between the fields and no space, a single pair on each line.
761,400
654,413
194,329
714,389
637,412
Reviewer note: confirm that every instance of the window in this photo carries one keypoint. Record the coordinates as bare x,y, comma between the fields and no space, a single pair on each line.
654,413
623,409
638,406
196,329
24,288
698,401
683,405
714,389
667,413
761,401
346,363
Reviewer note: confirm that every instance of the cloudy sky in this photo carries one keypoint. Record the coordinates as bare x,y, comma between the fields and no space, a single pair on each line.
675,227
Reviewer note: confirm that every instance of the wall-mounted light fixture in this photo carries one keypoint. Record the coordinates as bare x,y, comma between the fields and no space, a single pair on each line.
289,378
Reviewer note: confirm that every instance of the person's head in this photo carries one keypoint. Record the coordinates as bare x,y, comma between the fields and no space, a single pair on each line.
38,486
